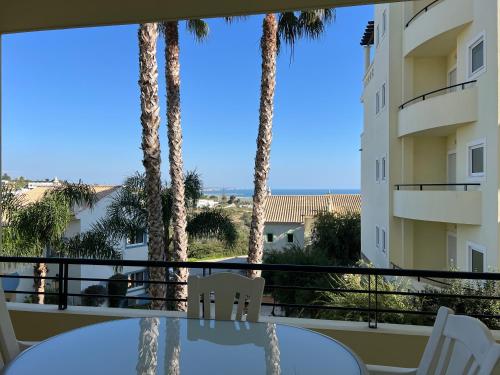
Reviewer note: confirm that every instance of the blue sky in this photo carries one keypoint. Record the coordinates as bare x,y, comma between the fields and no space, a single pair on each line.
70,105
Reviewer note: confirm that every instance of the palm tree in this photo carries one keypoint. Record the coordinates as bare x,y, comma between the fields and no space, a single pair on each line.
37,229
179,217
287,27
127,214
150,120
147,362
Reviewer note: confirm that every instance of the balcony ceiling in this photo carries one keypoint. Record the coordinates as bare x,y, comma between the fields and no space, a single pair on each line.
31,15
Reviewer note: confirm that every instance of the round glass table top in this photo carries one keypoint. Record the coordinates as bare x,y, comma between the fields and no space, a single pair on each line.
186,346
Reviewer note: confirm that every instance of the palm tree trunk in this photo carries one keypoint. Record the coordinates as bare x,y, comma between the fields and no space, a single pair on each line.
40,272
147,362
173,347
150,120
272,350
268,45
179,236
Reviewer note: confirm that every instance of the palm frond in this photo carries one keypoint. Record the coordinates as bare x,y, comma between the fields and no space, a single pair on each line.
10,202
79,194
199,28
232,19
90,245
213,223
289,29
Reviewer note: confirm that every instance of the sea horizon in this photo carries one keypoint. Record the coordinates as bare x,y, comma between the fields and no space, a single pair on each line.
249,192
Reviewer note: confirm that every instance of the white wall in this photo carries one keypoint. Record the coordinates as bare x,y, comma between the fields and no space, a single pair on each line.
280,231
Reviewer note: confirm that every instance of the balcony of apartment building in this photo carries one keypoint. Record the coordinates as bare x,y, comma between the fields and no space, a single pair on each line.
458,203
361,324
441,110
433,25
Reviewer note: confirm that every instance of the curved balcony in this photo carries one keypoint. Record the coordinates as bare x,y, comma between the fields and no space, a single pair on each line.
439,112
446,206
433,30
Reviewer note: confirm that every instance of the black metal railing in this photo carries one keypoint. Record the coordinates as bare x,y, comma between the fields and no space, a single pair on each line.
372,307
438,92
421,187
423,10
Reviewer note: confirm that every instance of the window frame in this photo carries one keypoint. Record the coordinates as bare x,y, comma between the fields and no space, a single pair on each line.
136,244
384,22
383,96
476,176
383,241
383,168
133,282
472,246
267,237
481,37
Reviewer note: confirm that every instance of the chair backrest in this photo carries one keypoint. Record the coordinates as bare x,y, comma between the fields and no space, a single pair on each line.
459,345
9,346
225,287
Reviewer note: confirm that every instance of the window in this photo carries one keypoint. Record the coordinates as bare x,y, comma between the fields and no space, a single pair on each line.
377,102
383,95
384,169
476,159
136,238
383,241
137,279
289,237
377,170
477,57
384,22
477,259
270,237
377,237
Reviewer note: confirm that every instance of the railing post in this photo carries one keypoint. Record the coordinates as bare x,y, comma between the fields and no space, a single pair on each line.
465,187
421,187
60,286
65,290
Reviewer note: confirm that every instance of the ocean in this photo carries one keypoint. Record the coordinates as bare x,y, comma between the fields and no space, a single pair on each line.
246,193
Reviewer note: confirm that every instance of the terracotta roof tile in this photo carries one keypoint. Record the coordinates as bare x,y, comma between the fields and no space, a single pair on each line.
293,208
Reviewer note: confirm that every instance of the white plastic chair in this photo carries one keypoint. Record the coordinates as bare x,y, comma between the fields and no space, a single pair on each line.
458,345
225,286
9,346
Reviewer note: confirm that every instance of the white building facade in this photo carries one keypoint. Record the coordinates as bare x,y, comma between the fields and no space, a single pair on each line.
430,171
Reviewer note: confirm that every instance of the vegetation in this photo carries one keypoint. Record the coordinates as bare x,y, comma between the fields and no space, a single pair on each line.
174,133
95,295
117,287
287,28
37,228
150,120
338,236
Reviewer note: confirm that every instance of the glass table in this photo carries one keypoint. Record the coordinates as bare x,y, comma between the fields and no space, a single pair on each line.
187,346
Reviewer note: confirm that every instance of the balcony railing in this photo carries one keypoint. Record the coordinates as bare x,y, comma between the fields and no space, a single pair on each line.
422,187
444,90
371,308
422,11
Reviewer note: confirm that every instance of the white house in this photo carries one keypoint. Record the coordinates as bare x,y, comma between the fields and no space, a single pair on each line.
289,218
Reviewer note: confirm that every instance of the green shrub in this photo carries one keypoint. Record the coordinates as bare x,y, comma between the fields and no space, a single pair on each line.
117,288
207,248
338,235
467,306
96,295
294,254
360,300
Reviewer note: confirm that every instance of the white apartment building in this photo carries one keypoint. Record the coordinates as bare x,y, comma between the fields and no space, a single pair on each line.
430,141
